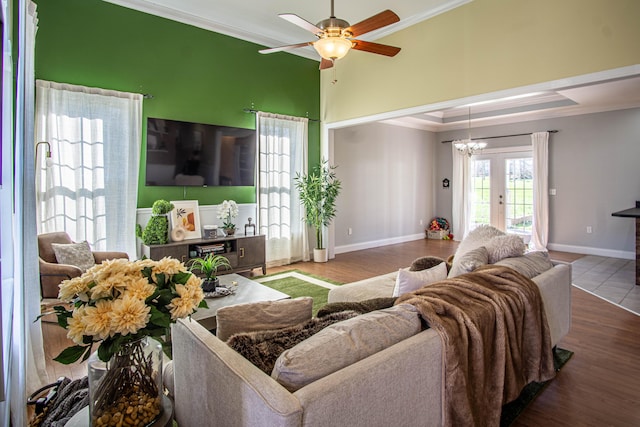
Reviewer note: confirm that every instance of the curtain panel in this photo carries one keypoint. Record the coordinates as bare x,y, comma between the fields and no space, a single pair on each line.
91,184
23,367
540,227
460,192
282,153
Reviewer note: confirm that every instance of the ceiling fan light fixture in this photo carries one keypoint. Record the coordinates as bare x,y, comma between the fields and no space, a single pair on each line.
333,48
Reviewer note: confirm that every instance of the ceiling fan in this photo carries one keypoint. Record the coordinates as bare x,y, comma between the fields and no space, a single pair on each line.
336,36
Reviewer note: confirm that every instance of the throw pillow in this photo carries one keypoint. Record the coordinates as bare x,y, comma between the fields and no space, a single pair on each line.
344,343
530,265
426,262
506,246
469,261
262,316
263,348
408,281
359,307
78,254
476,238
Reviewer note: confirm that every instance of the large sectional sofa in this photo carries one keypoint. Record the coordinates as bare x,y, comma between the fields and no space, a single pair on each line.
401,384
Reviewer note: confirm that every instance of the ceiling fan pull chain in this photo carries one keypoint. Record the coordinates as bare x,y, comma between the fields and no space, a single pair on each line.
335,78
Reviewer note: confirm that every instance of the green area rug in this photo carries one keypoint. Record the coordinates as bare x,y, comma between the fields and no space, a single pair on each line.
296,284
511,410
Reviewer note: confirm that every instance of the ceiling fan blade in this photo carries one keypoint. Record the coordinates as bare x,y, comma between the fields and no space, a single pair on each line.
303,23
281,48
380,49
380,20
326,63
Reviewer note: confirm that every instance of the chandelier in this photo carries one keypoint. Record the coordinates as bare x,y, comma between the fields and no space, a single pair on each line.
469,146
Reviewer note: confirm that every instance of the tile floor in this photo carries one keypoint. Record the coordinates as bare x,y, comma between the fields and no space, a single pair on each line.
612,279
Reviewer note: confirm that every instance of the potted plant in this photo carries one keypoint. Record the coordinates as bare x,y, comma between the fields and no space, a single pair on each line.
319,191
226,211
157,229
209,266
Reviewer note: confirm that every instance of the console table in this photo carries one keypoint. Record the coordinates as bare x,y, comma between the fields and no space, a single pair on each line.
243,252
634,213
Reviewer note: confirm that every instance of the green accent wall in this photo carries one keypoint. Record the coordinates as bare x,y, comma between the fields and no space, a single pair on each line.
193,74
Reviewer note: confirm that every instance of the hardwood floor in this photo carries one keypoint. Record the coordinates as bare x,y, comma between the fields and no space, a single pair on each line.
599,386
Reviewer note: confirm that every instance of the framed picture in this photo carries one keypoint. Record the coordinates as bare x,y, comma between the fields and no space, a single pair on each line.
187,214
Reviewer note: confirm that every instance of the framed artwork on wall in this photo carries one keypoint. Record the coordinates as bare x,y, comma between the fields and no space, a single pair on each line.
186,214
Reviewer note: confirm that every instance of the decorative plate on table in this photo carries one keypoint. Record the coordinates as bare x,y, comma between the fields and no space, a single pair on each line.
222,291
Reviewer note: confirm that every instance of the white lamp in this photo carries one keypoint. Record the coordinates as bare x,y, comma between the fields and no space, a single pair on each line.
333,48
47,153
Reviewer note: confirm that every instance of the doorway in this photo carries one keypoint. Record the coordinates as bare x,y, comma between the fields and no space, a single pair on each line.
502,190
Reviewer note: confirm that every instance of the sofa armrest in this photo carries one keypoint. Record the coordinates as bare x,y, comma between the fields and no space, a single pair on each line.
374,287
52,274
100,256
555,289
215,386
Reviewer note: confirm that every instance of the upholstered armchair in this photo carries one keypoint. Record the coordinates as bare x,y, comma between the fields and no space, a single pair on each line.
52,273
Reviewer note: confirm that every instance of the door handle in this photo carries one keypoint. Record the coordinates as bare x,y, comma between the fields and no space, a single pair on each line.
241,252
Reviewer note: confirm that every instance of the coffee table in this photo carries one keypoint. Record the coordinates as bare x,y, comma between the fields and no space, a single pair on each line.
247,291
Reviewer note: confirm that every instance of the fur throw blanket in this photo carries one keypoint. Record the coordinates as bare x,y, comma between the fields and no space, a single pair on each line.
495,340
262,348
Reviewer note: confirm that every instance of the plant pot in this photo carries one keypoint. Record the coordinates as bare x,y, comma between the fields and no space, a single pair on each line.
210,285
230,231
128,385
320,255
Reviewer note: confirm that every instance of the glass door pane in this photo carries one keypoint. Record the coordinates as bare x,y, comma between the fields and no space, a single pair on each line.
518,204
480,212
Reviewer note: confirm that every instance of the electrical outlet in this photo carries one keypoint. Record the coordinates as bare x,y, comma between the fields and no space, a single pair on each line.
421,222
350,231
589,229
552,192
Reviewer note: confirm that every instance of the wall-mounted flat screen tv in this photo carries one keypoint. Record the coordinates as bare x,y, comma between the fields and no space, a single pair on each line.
197,154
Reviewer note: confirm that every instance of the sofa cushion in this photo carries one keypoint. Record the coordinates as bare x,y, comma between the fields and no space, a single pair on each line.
262,348
469,261
262,316
500,247
77,254
359,307
343,344
408,281
530,265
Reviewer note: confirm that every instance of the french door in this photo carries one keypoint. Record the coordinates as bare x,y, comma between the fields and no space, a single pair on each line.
502,191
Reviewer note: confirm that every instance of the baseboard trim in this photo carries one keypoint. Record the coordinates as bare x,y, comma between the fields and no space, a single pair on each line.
377,243
586,250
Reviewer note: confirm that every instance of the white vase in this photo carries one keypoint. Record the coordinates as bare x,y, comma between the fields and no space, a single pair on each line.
320,255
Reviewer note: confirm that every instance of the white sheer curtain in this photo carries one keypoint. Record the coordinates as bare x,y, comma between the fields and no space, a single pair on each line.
282,153
90,191
540,228
459,192
23,353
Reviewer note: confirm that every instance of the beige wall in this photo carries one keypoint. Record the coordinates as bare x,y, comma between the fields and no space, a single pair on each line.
481,47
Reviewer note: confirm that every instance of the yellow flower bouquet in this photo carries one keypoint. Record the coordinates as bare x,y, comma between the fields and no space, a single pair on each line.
122,304
121,301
